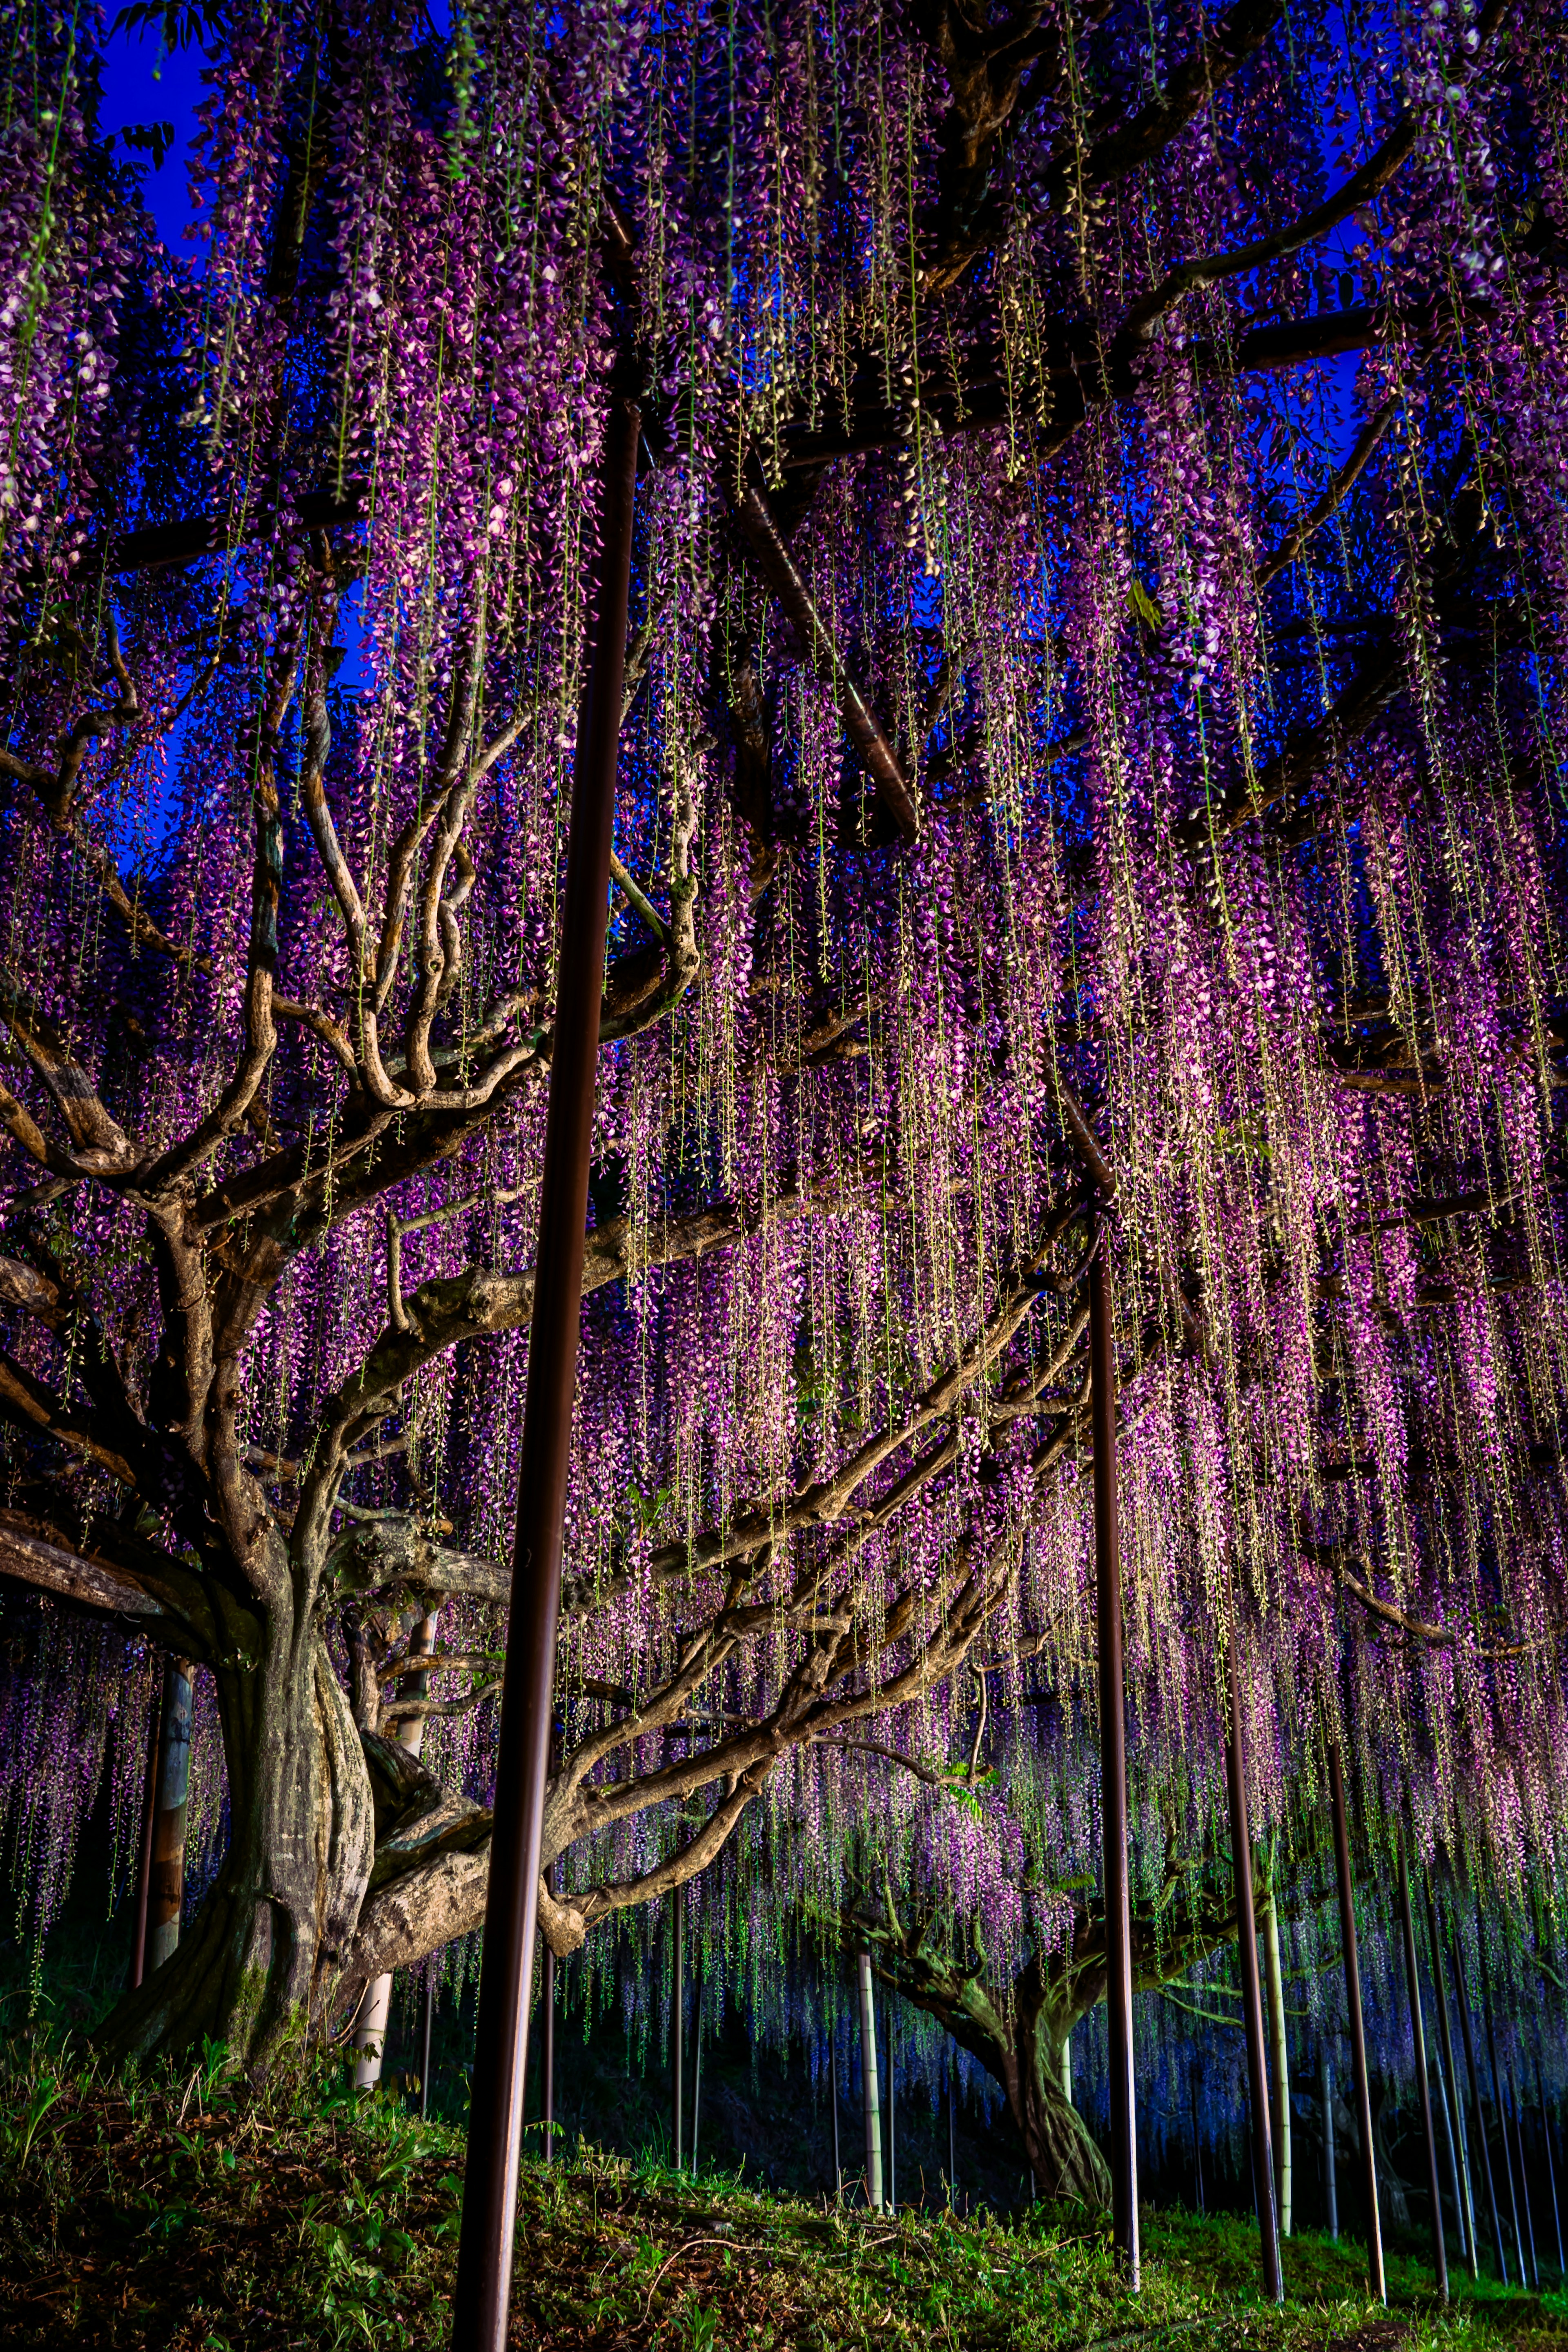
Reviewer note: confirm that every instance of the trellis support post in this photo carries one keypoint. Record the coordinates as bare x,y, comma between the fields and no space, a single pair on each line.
1360,2082
1467,2028
1113,1771
1251,1983
483,2290
1423,2086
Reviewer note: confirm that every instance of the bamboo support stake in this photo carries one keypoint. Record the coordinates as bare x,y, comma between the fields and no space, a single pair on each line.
1422,2089
1279,2066
1375,2275
1113,1773
870,2106
1251,1989
1467,2028
1463,2193
677,2031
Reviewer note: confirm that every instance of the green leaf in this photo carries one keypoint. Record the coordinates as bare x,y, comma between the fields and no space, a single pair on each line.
1142,606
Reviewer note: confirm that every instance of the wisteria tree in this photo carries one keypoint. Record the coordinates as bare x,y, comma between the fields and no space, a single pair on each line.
1091,725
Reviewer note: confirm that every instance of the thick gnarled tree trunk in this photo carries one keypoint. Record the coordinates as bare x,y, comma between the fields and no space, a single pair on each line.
1065,2159
1016,2029
264,1951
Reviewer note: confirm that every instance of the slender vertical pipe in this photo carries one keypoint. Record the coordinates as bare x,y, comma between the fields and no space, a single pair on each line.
548,1992
1113,1773
1444,2117
1467,2029
697,2081
144,1858
1331,2174
678,2029
952,2129
1498,2103
1422,2089
870,2102
1466,2200
483,2290
833,2095
892,2111
1362,2088
1197,2136
1515,2103
1067,2066
1251,1989
427,2026
1550,2165
166,1883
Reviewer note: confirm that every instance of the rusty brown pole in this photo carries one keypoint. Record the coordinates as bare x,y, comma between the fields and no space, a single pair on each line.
1376,2278
1113,1773
1251,1985
483,2290
1423,2087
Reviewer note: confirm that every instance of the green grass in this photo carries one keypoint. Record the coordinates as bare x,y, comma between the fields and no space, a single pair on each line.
187,2211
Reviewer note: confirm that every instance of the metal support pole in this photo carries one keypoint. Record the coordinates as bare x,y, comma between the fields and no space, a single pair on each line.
1330,2175
548,1991
697,2080
1113,1774
1462,2177
1376,2278
166,1881
1423,2089
1451,2145
870,2104
428,2024
1467,2029
483,2289
1550,2165
1251,1988
1498,2102
1517,2105
144,1858
678,2032
833,2095
892,2111
953,2130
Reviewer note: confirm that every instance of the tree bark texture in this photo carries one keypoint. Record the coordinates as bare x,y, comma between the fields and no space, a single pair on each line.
369,2033
265,1947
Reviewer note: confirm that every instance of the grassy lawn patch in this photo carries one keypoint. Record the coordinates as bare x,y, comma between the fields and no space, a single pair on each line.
190,2213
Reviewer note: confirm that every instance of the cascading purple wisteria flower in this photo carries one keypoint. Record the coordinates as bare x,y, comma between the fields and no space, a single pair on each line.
1059,699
